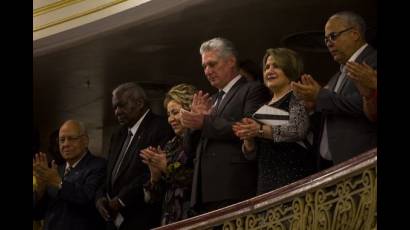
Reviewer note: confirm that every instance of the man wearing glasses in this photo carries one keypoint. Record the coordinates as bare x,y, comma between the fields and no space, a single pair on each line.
344,129
65,194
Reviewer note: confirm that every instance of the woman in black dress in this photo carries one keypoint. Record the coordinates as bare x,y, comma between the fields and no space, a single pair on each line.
281,150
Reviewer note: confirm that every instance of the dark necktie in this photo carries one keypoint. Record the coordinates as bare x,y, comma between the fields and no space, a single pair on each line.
121,157
218,100
67,171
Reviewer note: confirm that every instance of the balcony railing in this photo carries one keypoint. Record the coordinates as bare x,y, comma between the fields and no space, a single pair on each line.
342,197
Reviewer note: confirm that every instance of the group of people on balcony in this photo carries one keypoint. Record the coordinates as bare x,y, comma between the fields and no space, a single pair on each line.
215,150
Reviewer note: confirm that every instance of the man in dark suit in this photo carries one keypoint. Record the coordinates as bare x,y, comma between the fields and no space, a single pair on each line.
345,131
222,175
120,200
65,194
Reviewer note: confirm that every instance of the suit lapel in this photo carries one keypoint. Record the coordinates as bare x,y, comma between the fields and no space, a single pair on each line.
83,162
135,144
230,94
117,145
61,169
342,84
368,50
333,81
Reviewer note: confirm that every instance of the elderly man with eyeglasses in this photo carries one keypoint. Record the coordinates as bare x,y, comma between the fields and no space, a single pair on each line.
344,129
64,194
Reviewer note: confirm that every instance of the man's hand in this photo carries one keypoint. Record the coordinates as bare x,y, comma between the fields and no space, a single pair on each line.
102,207
44,174
307,90
192,120
201,103
114,206
363,76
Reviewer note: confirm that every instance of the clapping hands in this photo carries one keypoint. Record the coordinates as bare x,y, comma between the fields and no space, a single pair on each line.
156,160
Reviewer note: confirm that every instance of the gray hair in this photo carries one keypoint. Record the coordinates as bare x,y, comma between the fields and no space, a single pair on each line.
135,90
223,45
352,19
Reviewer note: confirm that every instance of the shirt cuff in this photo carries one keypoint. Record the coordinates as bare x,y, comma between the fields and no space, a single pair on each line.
122,203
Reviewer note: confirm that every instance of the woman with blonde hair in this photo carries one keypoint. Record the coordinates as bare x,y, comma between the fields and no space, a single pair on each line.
171,167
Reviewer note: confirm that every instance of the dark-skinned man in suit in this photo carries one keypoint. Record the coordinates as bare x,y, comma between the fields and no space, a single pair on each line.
120,200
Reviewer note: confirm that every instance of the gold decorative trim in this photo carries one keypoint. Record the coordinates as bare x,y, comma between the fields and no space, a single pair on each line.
341,198
350,203
54,6
75,16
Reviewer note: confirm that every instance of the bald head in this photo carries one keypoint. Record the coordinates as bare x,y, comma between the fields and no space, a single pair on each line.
75,125
73,140
351,19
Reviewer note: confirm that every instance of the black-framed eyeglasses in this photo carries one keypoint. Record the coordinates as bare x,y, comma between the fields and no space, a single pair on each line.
334,35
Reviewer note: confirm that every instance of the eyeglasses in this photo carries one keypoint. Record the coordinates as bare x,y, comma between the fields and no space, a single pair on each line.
334,35
61,140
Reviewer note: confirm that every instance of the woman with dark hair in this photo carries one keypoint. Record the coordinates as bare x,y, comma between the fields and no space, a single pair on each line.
281,149
171,167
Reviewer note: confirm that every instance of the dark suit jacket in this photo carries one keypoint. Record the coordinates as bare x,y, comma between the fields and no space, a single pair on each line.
72,206
350,132
221,171
153,131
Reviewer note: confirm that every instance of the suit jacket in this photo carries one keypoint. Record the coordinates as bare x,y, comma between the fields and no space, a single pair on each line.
72,206
221,171
349,131
153,131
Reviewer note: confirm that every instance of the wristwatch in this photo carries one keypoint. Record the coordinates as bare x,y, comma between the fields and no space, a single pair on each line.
260,131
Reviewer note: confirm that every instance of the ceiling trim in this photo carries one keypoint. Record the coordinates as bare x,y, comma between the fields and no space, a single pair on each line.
53,6
77,15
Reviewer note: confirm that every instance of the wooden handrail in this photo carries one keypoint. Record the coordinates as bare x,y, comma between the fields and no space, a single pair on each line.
310,183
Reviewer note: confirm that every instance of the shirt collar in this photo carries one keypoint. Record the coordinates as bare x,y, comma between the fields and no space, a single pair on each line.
67,165
137,124
354,56
231,83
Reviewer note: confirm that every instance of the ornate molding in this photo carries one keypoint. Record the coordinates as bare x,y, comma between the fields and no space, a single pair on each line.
74,16
54,6
349,203
343,197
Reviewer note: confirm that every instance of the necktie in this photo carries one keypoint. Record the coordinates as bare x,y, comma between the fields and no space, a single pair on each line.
67,171
121,156
218,100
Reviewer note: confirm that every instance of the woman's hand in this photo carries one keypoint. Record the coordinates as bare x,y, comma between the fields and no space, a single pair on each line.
156,160
246,129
